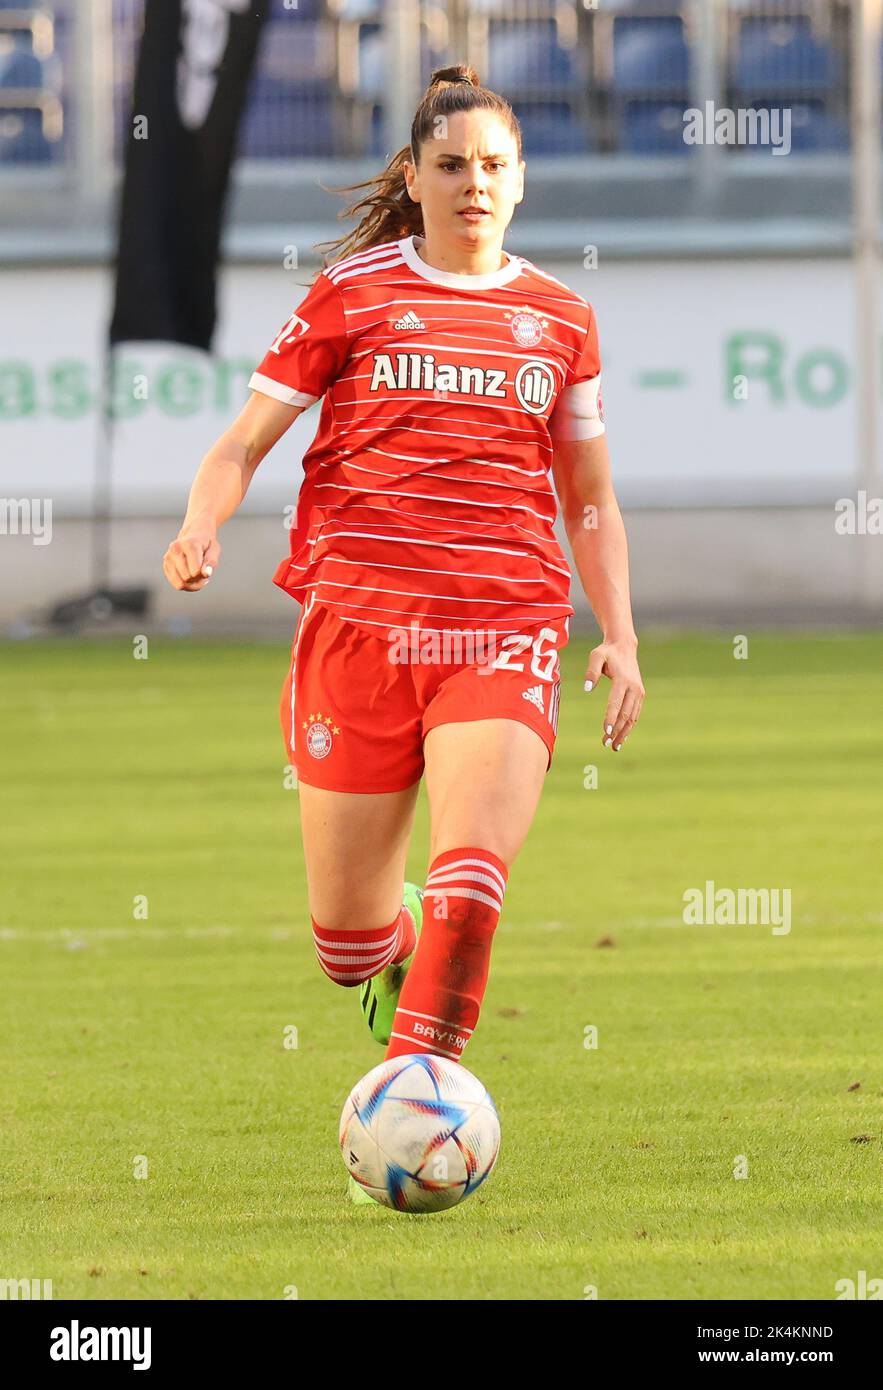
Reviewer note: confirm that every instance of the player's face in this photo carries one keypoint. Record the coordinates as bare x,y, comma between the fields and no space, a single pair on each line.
472,161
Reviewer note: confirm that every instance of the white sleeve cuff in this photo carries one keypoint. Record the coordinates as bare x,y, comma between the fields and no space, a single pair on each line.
268,387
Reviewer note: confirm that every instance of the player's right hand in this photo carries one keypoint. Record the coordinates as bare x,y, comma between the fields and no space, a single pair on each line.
192,556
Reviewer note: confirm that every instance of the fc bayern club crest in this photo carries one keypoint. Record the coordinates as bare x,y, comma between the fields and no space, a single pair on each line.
320,734
527,329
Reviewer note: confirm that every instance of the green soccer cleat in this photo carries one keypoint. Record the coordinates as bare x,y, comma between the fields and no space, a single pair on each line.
359,1195
379,996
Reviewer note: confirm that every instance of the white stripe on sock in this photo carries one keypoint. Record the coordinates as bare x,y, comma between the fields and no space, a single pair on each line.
337,945
358,965
430,1047
474,864
465,880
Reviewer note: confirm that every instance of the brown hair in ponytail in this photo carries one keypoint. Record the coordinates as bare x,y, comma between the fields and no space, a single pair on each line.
389,213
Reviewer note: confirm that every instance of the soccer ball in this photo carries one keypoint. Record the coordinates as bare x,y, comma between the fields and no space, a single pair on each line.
419,1133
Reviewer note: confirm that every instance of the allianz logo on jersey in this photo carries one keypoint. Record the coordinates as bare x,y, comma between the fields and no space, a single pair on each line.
534,382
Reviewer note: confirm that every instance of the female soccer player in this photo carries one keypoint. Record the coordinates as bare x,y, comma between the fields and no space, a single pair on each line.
454,379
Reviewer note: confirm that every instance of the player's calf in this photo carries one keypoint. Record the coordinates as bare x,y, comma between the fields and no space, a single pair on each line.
441,997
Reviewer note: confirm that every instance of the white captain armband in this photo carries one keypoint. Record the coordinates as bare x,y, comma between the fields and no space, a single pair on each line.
579,411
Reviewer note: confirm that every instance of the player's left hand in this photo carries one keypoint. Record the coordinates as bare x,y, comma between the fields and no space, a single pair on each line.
619,662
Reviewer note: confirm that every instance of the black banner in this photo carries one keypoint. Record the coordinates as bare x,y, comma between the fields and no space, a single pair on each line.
191,81
239,1339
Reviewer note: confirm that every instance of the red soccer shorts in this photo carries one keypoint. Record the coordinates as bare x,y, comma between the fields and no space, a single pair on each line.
355,707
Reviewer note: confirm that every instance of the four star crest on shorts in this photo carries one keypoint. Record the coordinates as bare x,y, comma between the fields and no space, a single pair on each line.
320,730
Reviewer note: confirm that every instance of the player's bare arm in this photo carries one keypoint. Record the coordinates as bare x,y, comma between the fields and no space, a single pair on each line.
219,487
595,530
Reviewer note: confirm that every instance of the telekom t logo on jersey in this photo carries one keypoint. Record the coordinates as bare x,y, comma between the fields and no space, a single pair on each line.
296,327
534,382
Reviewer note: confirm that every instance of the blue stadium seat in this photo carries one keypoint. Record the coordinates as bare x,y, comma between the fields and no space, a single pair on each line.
290,56
813,129
27,72
551,129
298,125
524,57
653,127
650,57
22,140
308,10
781,56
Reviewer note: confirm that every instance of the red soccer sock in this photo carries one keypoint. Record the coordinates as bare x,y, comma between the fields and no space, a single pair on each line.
441,998
350,957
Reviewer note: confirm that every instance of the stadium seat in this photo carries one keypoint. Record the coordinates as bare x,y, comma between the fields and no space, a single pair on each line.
30,108
298,125
653,127
22,140
28,73
650,57
525,57
551,129
289,56
813,129
308,10
781,56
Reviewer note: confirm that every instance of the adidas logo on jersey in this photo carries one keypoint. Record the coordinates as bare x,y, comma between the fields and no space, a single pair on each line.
410,320
535,695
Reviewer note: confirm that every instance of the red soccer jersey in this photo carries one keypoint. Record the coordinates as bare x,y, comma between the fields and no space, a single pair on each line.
427,495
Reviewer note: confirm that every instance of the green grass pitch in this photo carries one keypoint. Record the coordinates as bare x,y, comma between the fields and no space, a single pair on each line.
720,1044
